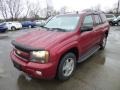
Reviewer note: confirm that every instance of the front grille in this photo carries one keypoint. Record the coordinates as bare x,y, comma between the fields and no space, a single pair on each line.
22,54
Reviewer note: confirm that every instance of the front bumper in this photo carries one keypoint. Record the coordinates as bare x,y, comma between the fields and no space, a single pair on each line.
3,29
37,70
114,22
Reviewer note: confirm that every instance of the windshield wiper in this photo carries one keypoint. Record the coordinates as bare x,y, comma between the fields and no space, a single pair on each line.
59,29
52,29
44,27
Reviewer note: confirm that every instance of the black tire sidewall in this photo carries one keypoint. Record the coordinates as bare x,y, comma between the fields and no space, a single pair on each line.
118,23
29,26
60,75
13,28
111,24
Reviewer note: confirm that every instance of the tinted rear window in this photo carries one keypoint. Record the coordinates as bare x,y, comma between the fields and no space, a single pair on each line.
97,19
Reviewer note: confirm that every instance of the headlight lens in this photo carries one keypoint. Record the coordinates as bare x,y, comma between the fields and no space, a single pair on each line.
115,20
40,56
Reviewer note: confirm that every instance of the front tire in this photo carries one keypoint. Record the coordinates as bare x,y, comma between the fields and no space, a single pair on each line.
66,67
118,23
13,28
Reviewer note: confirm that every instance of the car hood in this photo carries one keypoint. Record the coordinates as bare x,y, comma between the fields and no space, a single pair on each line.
2,25
43,39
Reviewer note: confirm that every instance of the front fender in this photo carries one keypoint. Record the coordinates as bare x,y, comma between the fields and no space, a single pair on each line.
60,49
67,47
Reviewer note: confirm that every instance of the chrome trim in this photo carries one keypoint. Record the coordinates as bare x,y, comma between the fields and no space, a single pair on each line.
19,56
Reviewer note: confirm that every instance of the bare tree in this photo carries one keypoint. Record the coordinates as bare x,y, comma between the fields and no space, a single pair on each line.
3,9
96,8
34,10
117,8
15,8
28,8
63,10
49,9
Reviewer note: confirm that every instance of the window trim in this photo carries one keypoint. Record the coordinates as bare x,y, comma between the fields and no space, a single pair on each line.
101,15
100,22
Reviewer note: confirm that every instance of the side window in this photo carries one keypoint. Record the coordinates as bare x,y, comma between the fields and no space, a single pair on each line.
103,18
88,21
97,19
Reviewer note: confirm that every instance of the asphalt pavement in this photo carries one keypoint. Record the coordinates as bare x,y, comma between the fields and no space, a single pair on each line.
100,72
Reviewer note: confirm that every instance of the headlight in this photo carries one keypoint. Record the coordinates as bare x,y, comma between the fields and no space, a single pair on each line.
40,56
115,20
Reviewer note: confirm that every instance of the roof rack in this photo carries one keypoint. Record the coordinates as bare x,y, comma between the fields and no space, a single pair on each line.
92,11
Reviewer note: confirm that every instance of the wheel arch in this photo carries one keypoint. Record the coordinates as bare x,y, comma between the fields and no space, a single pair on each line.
106,33
13,26
73,50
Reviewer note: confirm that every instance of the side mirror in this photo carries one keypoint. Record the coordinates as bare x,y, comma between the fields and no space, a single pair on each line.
86,28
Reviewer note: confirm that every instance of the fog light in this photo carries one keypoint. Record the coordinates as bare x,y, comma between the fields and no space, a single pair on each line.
39,73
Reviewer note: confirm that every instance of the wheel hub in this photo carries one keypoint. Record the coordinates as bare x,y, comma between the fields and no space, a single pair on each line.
68,67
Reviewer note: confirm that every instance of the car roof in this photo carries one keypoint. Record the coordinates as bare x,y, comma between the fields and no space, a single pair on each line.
12,22
81,13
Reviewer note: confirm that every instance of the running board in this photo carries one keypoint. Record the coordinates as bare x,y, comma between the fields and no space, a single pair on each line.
88,54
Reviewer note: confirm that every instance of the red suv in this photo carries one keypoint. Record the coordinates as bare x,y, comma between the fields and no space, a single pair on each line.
55,49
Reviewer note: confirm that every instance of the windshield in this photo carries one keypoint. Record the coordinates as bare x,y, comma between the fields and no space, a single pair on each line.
68,23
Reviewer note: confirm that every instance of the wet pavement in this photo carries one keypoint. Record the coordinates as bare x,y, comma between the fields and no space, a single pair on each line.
100,72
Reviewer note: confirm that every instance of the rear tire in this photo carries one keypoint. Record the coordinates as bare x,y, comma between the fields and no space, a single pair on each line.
103,44
66,66
29,26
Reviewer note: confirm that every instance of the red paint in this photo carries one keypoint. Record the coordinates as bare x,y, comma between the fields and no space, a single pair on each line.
57,43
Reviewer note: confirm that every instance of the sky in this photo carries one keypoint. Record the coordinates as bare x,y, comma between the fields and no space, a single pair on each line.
73,5
78,4
83,4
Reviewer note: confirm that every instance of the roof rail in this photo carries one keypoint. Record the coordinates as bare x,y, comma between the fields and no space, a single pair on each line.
92,11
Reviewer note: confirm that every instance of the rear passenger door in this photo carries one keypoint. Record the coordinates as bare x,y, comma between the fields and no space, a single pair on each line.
97,29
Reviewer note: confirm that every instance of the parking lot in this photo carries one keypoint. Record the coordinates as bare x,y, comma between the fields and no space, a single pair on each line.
99,72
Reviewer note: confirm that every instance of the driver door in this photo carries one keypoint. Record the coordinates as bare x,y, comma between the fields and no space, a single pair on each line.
86,37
